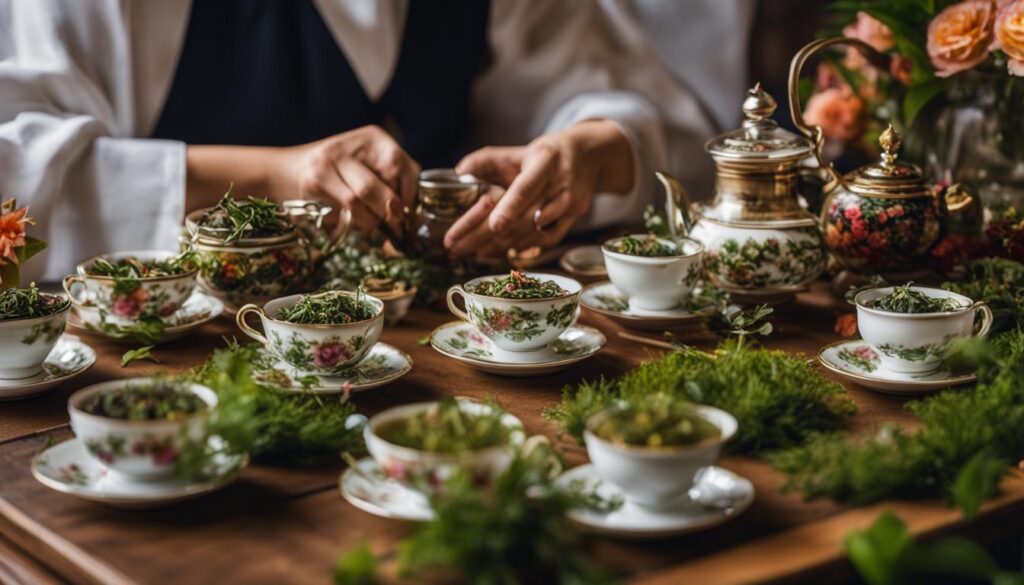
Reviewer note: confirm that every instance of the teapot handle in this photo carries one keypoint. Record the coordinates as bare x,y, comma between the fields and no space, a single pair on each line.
878,59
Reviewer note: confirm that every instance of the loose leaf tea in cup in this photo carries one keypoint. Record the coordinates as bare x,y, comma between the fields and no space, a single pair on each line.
651,246
328,308
159,400
446,427
519,286
905,299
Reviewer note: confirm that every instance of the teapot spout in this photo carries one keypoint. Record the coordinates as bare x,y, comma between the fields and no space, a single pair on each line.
677,205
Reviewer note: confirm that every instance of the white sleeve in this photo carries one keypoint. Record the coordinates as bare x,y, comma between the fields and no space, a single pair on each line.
558,62
67,146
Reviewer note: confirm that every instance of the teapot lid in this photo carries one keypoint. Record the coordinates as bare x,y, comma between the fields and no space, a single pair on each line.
760,138
888,176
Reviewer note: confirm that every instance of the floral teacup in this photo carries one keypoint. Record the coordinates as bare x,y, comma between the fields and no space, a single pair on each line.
324,350
655,283
519,324
656,477
427,471
25,343
132,299
915,343
141,449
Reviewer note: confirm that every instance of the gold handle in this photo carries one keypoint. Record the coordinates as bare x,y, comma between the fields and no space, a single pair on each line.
240,320
68,281
876,58
957,198
457,290
986,319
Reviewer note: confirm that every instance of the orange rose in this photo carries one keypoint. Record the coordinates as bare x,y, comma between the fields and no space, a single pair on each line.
12,230
873,32
838,111
1010,35
960,36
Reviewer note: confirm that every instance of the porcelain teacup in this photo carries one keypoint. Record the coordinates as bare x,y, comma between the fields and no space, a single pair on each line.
140,449
427,471
25,343
130,300
656,477
915,343
324,350
519,324
655,283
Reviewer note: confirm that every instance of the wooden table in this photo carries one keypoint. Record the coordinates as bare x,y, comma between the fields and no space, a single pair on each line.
279,525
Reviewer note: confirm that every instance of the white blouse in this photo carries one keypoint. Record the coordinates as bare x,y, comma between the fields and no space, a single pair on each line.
82,84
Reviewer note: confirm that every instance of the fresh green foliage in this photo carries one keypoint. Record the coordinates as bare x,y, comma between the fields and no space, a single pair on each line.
907,299
519,286
148,329
779,400
328,308
999,282
268,422
133,268
884,554
356,567
743,324
650,246
142,353
447,427
28,303
976,482
658,421
511,532
254,217
955,426
158,400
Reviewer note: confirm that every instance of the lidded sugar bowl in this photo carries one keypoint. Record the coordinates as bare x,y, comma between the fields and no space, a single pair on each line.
760,243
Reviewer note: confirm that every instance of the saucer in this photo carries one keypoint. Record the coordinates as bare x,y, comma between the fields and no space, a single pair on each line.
584,263
68,358
197,310
856,362
383,364
718,496
67,467
461,341
606,299
366,487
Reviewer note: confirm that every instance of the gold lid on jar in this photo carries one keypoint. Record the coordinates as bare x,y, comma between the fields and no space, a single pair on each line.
760,139
890,178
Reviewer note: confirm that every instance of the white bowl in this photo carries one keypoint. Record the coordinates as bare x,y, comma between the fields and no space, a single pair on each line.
427,471
656,477
143,449
519,324
655,283
25,343
157,296
324,350
916,342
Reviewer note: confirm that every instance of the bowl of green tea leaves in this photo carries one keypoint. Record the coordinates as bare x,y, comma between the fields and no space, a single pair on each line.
422,444
133,285
138,426
517,285
653,447
328,308
656,272
233,220
911,299
31,322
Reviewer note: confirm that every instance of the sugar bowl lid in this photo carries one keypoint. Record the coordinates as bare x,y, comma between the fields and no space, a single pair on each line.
760,138
888,177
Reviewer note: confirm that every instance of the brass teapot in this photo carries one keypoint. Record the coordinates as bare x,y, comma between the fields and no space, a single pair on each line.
760,243
883,217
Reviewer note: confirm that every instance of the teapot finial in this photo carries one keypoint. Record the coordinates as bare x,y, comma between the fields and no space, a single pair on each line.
890,141
759,104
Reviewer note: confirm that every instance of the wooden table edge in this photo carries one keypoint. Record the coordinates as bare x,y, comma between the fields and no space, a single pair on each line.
820,544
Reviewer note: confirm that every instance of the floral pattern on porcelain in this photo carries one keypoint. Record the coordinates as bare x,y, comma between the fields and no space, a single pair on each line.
875,233
47,332
245,274
861,358
25,343
331,355
470,344
162,450
739,258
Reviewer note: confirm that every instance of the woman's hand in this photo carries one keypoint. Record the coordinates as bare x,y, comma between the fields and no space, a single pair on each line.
363,170
548,184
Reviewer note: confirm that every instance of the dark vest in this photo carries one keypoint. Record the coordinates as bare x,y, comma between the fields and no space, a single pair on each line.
269,73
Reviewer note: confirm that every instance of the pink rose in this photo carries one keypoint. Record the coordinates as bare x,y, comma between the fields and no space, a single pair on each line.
852,212
960,36
838,111
1010,34
329,355
873,32
859,229
126,306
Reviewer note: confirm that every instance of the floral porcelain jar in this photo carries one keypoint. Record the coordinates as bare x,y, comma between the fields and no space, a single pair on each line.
760,243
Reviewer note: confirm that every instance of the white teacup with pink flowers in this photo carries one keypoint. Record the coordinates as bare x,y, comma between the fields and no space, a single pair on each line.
131,299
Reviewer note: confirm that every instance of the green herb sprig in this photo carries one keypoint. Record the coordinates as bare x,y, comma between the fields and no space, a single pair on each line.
328,308
250,218
998,282
142,353
649,246
519,286
27,303
134,268
906,299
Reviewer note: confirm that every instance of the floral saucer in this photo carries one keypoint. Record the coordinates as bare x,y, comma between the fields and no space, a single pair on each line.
718,496
606,299
856,362
198,309
461,341
383,364
366,487
68,468
68,358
